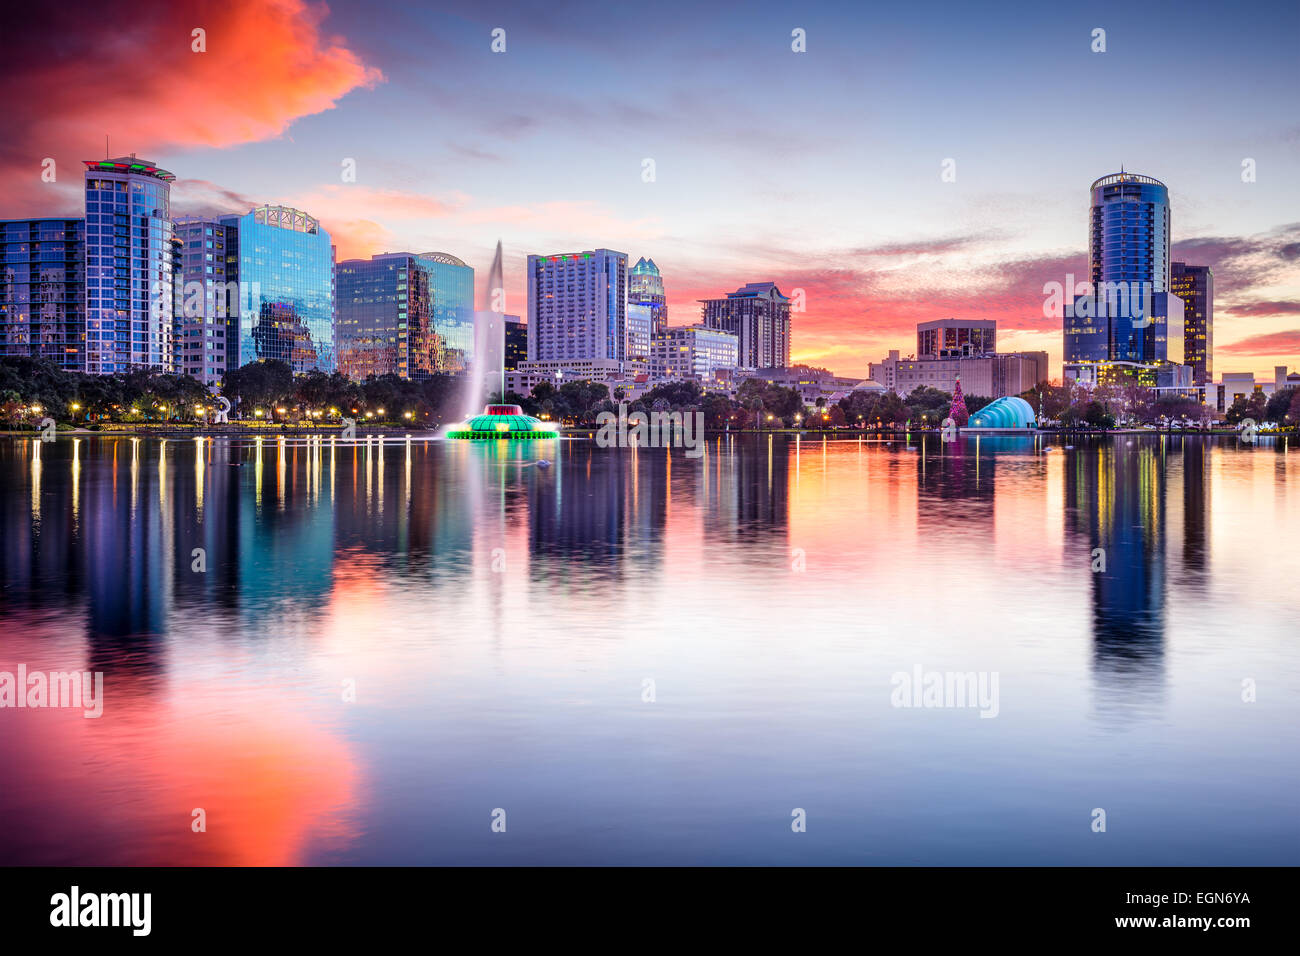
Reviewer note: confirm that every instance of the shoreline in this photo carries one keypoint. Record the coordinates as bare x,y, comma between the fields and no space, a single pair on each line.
588,431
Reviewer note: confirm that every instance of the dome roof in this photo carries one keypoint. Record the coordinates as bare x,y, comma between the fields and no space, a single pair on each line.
869,385
446,258
503,421
1010,412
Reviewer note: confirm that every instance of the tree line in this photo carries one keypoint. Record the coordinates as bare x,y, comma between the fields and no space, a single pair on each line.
31,389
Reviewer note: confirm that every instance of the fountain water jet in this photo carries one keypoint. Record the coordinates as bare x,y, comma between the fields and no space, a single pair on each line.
498,419
488,367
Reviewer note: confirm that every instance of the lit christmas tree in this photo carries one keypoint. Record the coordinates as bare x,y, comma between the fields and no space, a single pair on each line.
958,411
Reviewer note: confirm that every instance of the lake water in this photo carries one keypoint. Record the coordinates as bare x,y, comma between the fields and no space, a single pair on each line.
642,657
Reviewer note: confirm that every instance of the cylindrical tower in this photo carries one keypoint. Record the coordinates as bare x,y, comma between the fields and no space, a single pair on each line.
1129,231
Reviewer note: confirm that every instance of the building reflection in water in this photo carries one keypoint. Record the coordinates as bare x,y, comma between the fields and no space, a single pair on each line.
1117,514
305,543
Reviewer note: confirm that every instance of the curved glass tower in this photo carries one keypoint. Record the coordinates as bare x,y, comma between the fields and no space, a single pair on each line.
1129,231
1126,318
451,284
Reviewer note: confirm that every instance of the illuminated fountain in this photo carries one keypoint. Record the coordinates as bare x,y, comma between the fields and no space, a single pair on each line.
499,421
502,422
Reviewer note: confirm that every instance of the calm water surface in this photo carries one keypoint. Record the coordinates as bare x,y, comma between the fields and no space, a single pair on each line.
501,624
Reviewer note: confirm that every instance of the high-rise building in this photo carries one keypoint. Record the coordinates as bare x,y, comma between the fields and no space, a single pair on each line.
577,306
384,323
286,274
516,342
451,284
43,290
1195,286
759,316
640,332
645,286
128,265
404,314
206,330
992,375
695,352
1129,323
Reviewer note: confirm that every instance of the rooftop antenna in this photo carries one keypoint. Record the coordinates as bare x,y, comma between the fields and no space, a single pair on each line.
106,154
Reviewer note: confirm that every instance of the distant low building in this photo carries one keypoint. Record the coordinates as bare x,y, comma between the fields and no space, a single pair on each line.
956,338
810,383
527,375
1232,386
993,376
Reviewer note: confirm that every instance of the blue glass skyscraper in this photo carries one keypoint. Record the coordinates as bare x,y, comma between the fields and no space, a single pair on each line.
451,283
404,314
286,280
1125,321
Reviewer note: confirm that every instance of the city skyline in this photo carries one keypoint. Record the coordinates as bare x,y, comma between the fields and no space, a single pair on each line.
887,243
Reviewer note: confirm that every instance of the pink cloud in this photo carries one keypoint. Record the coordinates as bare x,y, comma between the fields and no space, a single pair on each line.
267,63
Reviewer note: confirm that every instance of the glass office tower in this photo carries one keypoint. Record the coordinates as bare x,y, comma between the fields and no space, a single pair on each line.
286,277
404,314
384,324
43,290
128,265
451,283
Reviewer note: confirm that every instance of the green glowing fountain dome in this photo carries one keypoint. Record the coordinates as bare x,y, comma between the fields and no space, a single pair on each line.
502,422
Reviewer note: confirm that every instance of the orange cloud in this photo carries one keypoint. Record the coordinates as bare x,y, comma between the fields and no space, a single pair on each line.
266,64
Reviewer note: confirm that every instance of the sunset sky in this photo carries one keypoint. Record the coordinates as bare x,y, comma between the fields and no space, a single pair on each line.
819,170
